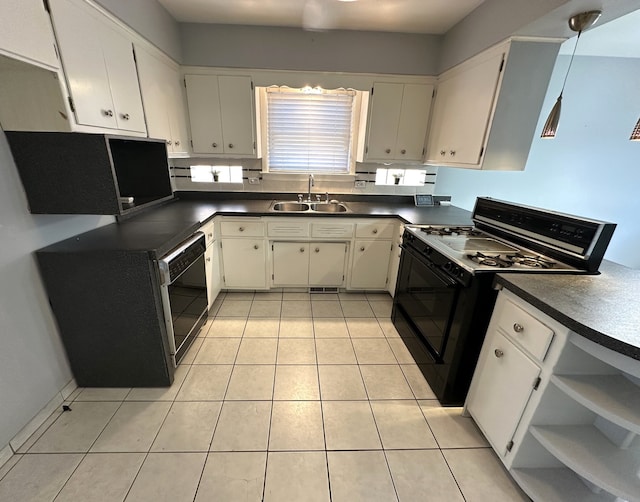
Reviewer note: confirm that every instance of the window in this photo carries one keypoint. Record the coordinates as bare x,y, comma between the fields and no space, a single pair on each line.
310,130
216,174
403,177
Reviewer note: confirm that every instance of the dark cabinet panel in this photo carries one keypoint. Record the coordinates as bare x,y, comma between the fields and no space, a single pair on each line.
109,312
80,173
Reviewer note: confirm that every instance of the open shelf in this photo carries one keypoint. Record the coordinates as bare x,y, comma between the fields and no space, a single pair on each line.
613,397
591,455
556,485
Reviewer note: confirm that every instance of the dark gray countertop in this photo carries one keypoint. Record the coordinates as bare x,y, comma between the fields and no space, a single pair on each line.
159,229
604,308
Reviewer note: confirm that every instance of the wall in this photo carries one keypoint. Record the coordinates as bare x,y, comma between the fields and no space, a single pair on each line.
296,49
151,20
590,168
33,365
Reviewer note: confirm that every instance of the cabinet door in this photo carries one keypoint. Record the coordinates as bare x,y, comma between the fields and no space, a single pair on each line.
502,384
383,121
78,33
236,108
176,111
370,264
290,263
212,267
462,113
414,119
25,31
326,263
244,263
123,78
152,76
203,102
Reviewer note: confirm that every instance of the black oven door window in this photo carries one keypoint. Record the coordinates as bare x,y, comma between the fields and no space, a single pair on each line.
188,300
428,297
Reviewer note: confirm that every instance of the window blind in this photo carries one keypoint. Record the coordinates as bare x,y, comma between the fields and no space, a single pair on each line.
309,131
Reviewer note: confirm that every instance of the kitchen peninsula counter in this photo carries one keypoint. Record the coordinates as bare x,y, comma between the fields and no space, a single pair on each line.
604,308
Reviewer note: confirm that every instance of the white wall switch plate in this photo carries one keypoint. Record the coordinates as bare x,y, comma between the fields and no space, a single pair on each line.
254,181
361,184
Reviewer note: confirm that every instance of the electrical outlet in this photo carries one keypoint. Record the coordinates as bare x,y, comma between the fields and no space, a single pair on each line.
254,181
361,184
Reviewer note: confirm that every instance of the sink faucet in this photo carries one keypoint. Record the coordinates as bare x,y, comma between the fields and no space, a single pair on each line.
311,183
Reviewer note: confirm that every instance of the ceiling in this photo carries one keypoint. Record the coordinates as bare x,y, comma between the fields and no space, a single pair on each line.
404,16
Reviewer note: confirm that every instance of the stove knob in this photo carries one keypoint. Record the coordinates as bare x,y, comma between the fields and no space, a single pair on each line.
448,265
427,250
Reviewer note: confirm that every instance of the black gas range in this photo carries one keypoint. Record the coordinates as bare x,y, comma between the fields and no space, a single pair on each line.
445,296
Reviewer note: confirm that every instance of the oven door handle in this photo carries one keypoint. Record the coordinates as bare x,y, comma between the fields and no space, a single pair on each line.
446,280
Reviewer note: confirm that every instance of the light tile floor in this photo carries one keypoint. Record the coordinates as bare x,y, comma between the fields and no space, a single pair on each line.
283,397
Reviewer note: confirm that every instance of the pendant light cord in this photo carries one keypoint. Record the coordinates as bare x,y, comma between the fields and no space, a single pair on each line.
570,62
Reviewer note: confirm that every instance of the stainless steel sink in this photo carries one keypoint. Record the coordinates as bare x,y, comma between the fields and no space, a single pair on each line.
329,208
290,206
309,207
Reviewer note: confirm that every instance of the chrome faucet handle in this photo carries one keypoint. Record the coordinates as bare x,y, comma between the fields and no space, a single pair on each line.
318,197
326,194
300,196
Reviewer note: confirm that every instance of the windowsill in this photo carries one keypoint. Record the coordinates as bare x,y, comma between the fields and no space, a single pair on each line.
305,177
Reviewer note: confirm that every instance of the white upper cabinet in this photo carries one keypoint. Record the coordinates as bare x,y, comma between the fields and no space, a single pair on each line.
25,32
221,114
163,101
486,109
98,62
398,122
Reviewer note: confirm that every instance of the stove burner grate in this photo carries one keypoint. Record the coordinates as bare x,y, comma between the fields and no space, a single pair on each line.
490,260
466,231
533,261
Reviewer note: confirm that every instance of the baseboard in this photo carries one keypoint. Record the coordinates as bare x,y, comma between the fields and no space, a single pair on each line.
32,426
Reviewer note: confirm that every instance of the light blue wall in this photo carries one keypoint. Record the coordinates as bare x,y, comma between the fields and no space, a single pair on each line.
590,168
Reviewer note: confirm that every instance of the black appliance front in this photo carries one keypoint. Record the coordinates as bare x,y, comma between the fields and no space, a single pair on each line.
442,323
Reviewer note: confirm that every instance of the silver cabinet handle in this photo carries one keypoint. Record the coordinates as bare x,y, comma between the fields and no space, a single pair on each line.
168,142
177,142
442,152
210,234
241,229
403,151
107,113
362,248
317,250
209,259
499,353
375,230
255,246
518,328
452,153
388,150
124,116
230,145
302,250
214,145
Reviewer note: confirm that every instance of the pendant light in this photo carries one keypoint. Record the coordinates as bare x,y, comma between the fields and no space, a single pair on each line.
579,23
635,134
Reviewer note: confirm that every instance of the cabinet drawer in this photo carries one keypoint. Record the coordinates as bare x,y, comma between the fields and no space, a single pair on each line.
207,230
242,228
525,330
375,230
288,229
331,229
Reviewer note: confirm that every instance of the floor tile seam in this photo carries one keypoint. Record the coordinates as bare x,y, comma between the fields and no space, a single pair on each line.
455,479
266,462
69,477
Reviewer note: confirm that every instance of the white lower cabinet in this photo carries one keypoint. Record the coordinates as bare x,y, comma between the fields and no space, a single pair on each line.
370,264
212,268
244,263
327,263
506,378
573,435
308,263
290,263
